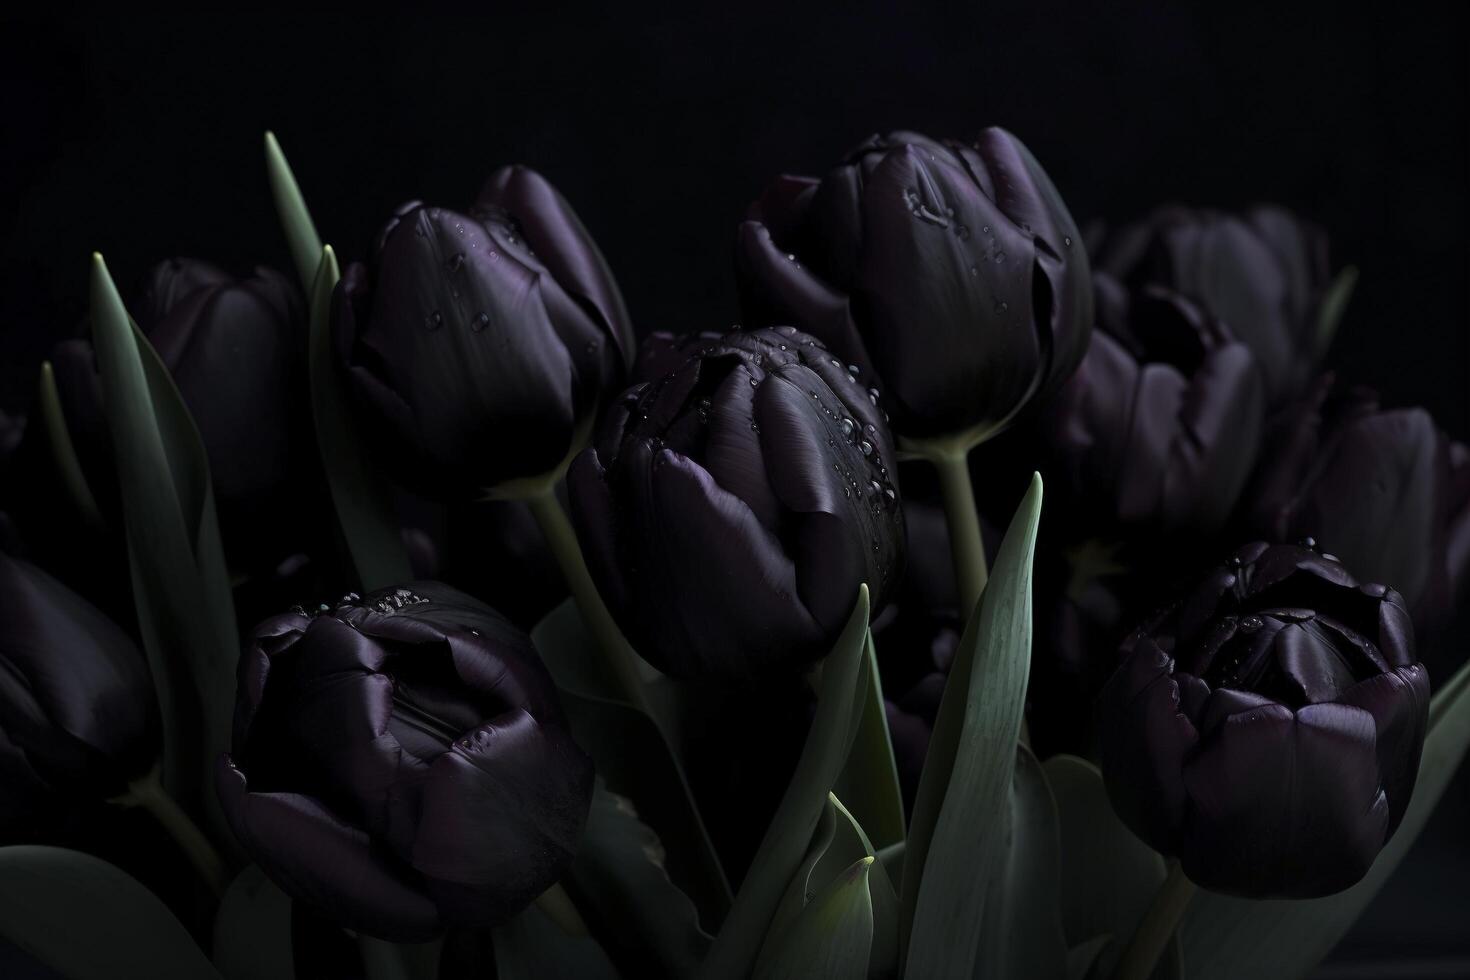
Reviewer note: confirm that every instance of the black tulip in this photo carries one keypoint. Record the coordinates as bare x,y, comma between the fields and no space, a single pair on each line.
1383,489
78,717
730,511
1267,728
952,270
1158,430
479,342
1263,271
401,763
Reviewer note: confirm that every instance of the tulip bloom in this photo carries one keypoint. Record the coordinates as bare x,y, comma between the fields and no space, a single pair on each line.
77,712
478,343
401,763
954,272
730,511
1384,490
1159,428
1267,729
1263,272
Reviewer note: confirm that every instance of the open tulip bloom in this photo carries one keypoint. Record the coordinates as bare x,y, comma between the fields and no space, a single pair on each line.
784,717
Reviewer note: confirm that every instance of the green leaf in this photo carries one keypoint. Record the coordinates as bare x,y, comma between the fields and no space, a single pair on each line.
833,935
364,512
252,930
619,873
301,237
1109,876
63,452
88,920
632,754
1085,961
963,802
869,780
838,841
532,947
1020,934
1334,305
785,843
180,584
1230,937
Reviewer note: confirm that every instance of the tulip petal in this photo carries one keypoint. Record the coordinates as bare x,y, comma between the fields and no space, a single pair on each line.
322,861
1399,705
1144,739
1283,805
502,814
563,243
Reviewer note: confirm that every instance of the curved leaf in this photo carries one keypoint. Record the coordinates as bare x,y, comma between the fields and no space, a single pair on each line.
63,451
1227,937
869,780
252,930
957,838
89,920
831,938
532,947
633,756
301,237
1021,934
619,873
358,494
785,842
180,583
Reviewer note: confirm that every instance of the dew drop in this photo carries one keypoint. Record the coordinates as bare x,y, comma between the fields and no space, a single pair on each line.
455,262
1000,257
481,321
434,320
865,447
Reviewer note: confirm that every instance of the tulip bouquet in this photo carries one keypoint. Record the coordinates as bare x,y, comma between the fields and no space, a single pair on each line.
705,656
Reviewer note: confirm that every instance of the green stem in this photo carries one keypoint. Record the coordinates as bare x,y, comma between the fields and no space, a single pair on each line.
148,792
381,960
967,547
617,654
1158,925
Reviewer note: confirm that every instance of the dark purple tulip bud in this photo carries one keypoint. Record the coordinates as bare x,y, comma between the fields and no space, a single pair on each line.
1157,431
1263,272
1384,490
952,270
77,712
730,511
1267,728
401,763
236,348
477,343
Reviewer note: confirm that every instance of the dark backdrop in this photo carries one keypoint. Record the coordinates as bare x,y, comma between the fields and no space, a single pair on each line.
141,138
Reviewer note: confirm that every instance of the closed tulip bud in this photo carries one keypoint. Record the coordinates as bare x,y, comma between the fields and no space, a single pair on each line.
953,271
401,763
1384,490
1267,729
730,511
1157,431
1263,272
478,343
77,712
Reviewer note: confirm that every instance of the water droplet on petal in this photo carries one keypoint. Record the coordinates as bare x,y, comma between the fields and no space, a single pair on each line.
481,321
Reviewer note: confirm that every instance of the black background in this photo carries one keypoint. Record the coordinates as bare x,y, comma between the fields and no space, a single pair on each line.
141,137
